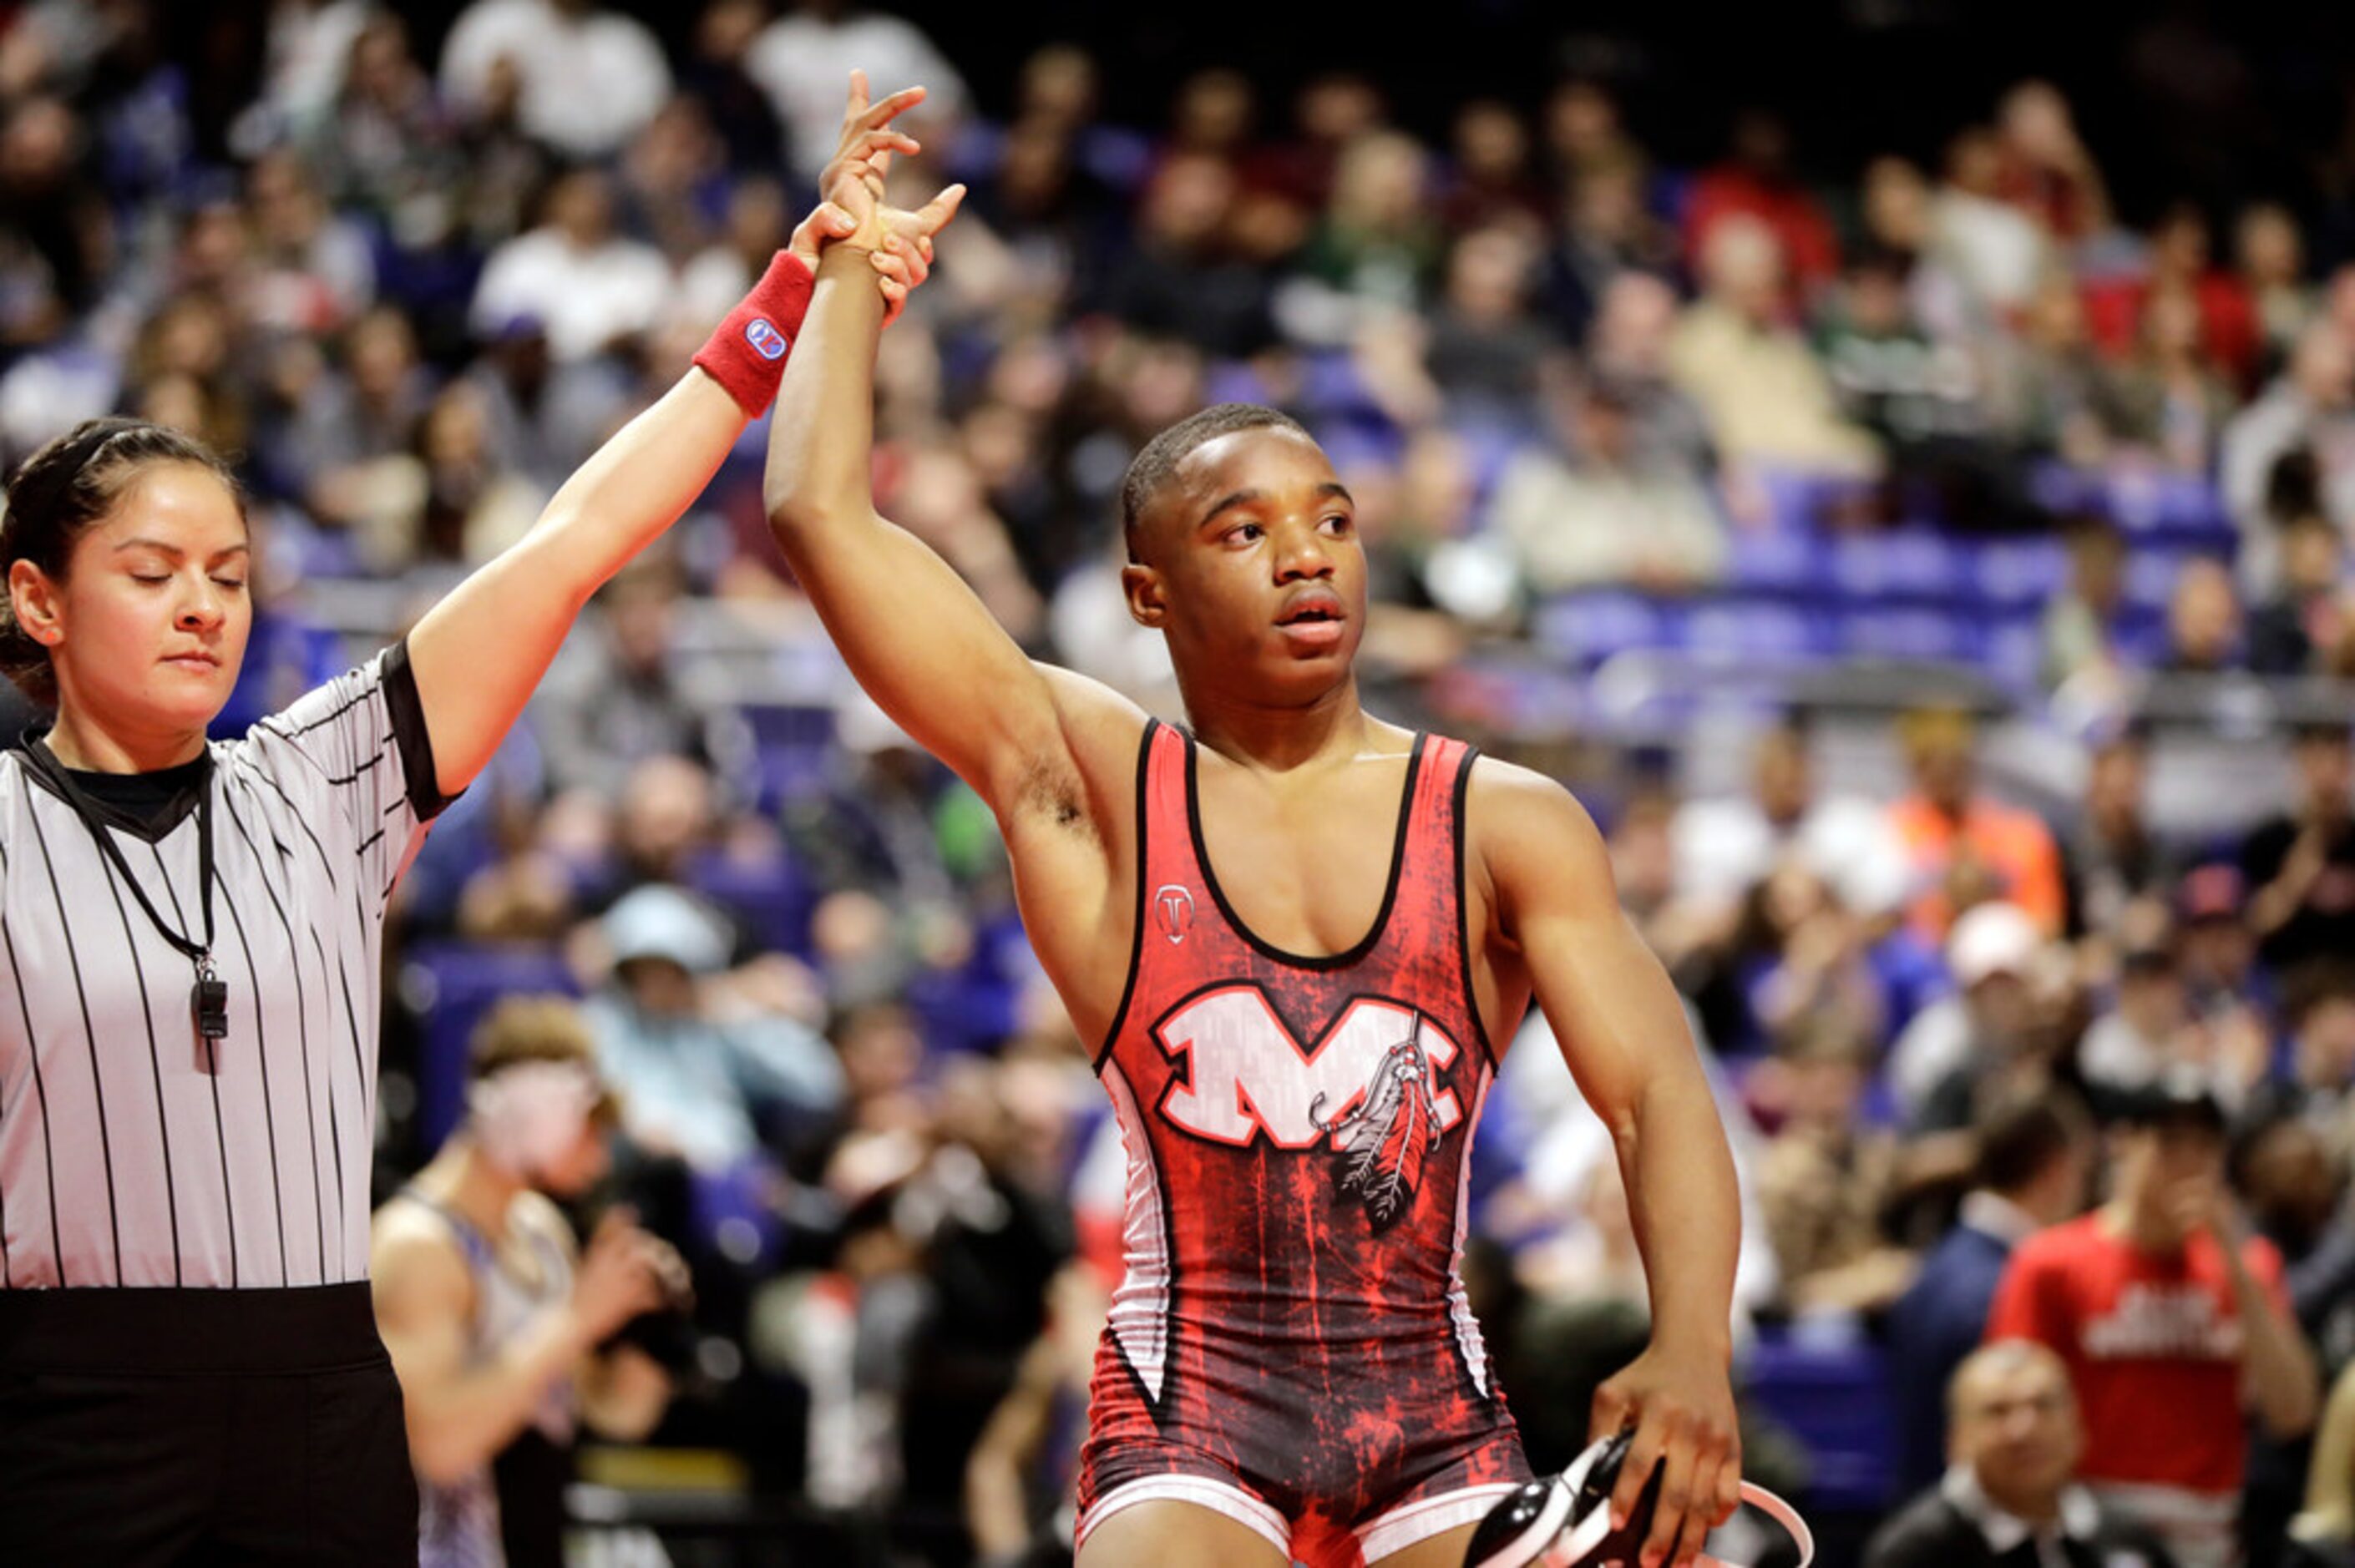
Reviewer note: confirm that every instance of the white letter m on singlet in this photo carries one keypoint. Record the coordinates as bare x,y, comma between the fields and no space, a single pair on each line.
1247,1074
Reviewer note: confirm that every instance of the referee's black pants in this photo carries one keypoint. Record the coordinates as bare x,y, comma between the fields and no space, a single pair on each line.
200,1426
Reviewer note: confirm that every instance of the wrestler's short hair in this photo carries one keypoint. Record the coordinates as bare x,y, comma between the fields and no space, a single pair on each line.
1152,467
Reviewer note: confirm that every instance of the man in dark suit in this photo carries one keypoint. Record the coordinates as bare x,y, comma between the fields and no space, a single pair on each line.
2008,1499
2033,1160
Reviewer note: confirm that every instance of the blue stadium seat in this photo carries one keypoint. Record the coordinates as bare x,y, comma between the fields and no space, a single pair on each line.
1909,634
1590,627
1906,565
2019,572
1779,562
1835,1399
790,742
1753,629
448,987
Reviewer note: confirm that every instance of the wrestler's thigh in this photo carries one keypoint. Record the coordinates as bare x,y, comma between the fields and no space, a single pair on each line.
1166,1534
1444,1550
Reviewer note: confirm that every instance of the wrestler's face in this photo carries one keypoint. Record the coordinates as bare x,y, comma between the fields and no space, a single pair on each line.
1252,568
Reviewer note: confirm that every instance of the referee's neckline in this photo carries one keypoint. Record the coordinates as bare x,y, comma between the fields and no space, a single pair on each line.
148,805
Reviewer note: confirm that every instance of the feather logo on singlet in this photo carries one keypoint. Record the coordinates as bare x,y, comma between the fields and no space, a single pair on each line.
1382,1145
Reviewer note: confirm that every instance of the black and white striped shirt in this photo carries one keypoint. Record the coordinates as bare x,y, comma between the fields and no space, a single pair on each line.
132,1152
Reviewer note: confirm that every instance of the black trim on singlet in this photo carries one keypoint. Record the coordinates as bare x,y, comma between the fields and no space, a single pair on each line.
1364,944
1137,938
1461,808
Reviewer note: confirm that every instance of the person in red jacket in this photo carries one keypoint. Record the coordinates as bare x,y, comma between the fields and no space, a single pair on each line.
2170,1322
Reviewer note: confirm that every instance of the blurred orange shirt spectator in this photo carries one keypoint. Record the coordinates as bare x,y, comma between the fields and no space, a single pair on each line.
2010,847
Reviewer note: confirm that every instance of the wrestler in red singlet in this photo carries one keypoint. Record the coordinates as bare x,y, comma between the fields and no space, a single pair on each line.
1292,1345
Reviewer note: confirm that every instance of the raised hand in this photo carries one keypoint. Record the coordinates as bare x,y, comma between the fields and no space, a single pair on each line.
851,207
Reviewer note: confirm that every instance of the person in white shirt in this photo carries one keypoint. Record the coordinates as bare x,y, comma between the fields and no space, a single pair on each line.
591,77
801,59
583,283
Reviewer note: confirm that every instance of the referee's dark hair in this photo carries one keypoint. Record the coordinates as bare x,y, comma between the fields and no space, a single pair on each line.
68,486
2019,1141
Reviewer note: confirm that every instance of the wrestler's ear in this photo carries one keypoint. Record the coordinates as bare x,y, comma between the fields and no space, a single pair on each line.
1147,596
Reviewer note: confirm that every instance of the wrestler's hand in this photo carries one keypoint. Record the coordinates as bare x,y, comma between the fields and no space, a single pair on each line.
1680,1404
899,242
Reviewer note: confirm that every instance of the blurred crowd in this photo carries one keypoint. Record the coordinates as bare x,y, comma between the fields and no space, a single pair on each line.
415,281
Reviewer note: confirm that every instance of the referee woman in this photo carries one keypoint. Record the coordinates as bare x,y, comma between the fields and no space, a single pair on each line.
190,939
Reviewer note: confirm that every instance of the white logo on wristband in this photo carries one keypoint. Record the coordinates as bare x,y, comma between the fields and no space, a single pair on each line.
766,340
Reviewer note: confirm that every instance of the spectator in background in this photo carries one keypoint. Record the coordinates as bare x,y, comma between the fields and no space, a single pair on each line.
589,286
2318,1086
2146,1030
588,77
53,216
625,697
1604,234
1727,845
502,1328
1486,351
1757,180
1629,346
1827,1180
2306,627
2215,323
2010,1497
802,58
1594,512
1490,182
2324,1531
707,1073
2058,398
2203,620
2308,407
1963,1049
2170,1327
2300,866
2046,171
1376,251
1766,399
2171,403
2270,253
2033,1160
1966,845
717,74
2117,871
1182,279
1996,252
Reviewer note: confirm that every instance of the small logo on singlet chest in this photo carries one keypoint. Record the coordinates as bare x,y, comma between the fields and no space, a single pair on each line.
1173,905
1370,1088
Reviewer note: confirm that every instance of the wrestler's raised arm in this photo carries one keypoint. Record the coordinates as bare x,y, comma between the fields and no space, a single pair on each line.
918,639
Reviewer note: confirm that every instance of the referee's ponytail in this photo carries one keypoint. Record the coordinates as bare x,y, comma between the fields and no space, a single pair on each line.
56,496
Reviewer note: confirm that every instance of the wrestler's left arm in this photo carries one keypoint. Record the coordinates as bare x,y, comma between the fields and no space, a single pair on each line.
1553,900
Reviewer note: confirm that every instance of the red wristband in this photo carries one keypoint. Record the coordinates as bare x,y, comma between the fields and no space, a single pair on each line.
746,354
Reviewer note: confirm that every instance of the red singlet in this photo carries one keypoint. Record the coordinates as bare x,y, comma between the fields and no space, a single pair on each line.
1292,1345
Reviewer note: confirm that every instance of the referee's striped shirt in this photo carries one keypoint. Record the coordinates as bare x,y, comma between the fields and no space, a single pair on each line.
133,1152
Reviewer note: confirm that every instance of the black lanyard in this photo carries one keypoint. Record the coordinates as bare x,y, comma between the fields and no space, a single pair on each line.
208,1001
